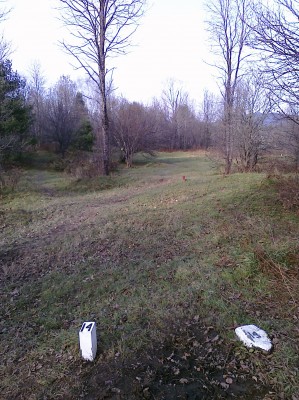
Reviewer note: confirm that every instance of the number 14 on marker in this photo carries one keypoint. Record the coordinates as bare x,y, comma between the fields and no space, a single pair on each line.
85,326
88,340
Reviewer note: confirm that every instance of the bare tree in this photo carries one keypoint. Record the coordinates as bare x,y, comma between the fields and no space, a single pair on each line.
174,98
5,46
188,127
276,36
184,131
208,118
100,28
62,113
253,105
37,93
229,34
286,136
5,49
161,123
133,129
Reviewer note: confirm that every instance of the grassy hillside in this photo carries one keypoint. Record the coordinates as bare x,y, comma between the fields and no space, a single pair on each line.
167,268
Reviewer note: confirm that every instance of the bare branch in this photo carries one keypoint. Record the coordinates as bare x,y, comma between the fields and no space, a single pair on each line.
276,36
100,29
229,35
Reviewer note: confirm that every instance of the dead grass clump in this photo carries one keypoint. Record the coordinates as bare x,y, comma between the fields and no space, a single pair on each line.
288,190
284,276
276,165
60,164
9,179
86,165
82,165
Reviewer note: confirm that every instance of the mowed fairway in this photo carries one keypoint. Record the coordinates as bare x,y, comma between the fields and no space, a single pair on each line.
166,267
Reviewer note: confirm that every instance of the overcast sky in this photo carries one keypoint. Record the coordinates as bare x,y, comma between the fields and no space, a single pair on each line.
170,43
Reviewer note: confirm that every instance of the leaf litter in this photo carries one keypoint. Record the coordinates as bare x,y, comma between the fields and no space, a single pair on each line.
193,362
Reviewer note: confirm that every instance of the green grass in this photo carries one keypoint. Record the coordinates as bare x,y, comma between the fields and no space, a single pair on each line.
135,252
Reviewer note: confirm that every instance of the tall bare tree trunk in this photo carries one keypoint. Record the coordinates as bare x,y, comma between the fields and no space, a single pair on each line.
228,123
229,34
103,28
102,76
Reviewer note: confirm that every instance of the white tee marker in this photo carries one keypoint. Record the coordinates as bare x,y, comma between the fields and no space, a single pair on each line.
88,340
252,336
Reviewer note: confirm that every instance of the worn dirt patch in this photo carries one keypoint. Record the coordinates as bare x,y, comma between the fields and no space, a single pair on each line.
193,362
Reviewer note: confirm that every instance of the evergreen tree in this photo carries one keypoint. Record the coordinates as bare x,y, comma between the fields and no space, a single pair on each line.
15,115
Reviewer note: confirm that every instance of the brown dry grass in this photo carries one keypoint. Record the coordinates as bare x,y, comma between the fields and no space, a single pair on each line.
284,278
288,190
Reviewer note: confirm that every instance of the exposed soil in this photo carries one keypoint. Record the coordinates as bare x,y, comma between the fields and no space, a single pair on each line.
193,363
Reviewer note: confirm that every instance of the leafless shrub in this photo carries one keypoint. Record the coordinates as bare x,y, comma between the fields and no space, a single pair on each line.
9,179
288,190
82,166
274,166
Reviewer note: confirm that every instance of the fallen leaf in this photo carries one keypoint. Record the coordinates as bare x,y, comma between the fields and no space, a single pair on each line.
184,380
224,385
185,356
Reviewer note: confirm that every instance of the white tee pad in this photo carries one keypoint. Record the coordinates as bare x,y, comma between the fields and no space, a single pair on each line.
252,336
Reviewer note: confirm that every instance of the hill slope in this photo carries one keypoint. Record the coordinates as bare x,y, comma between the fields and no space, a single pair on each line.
166,266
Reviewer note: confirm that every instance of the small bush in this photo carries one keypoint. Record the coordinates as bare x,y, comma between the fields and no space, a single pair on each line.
60,165
288,191
82,166
9,179
274,166
86,165
79,164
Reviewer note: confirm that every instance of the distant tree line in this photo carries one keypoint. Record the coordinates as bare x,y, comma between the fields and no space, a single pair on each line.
257,109
62,120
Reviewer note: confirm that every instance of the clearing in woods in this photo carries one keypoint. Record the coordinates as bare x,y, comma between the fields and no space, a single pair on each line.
167,267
